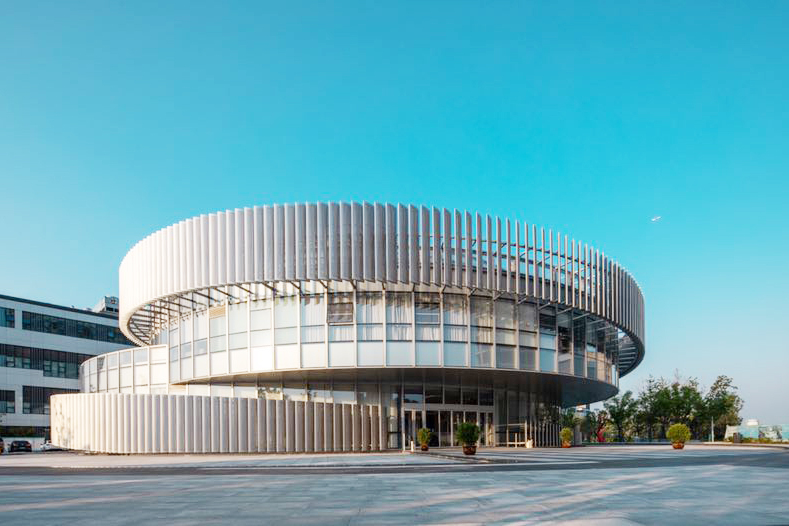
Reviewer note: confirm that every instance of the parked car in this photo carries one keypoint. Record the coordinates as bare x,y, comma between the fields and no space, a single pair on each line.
20,445
2,446
49,446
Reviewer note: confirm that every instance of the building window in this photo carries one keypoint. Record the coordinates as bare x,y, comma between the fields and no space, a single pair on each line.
506,334
57,364
564,331
427,315
35,400
412,394
547,342
579,333
35,321
313,314
399,316
7,402
340,309
7,317
339,316
369,316
259,323
481,331
455,318
217,327
238,317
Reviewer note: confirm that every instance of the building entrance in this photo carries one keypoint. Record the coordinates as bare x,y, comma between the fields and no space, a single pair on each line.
442,421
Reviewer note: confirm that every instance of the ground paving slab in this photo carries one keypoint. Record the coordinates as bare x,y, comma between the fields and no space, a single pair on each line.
610,486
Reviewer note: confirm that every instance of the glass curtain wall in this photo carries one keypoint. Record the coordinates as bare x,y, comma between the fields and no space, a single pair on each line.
481,331
403,329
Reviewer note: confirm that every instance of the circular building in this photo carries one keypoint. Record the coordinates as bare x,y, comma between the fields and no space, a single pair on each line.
348,326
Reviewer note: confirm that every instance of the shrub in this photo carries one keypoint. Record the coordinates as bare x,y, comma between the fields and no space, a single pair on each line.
566,434
467,433
424,435
678,433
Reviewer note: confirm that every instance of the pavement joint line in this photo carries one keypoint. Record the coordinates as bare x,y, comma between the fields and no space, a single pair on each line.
262,466
450,456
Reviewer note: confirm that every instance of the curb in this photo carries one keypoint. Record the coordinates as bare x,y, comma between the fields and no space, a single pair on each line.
784,447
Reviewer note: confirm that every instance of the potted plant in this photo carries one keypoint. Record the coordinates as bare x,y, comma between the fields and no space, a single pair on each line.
566,434
678,434
467,433
424,435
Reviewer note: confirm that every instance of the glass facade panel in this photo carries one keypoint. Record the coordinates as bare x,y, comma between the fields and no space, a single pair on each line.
427,308
527,317
201,347
505,356
470,396
218,343
8,401
57,364
237,317
313,318
7,319
452,394
434,394
399,316
564,339
481,332
455,318
35,400
261,319
527,339
528,358
286,320
412,394
201,325
340,308
218,328
455,354
486,396
35,321
547,360
174,332
286,312
369,316
186,329
140,355
547,341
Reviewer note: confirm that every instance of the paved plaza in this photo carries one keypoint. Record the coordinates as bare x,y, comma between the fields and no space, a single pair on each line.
604,485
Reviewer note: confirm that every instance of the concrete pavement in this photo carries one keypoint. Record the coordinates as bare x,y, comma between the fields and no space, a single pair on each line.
632,485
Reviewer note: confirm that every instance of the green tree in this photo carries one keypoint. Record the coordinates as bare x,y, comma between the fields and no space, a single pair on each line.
569,419
646,417
663,406
687,403
621,410
723,404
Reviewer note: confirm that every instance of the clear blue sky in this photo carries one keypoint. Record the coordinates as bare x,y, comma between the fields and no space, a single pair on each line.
118,119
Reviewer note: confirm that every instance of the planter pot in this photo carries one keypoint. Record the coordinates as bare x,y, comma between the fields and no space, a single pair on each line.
424,447
678,445
566,444
469,450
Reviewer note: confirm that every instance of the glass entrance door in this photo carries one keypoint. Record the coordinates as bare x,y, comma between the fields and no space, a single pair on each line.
431,422
412,422
408,428
457,418
445,430
443,423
